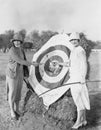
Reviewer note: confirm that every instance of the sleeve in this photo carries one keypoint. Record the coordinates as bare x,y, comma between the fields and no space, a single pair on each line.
17,58
83,64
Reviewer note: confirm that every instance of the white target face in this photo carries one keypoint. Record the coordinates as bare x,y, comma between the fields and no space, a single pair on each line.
50,74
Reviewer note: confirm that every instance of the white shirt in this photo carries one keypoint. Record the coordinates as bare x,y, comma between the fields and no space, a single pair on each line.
78,64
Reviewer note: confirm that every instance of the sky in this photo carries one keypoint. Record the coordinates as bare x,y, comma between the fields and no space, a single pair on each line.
56,15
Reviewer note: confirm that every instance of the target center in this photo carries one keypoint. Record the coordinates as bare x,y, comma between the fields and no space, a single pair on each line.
52,67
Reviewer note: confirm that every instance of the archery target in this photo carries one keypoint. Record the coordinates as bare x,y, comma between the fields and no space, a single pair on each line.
50,74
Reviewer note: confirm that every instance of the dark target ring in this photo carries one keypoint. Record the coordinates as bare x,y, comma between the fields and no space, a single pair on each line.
49,55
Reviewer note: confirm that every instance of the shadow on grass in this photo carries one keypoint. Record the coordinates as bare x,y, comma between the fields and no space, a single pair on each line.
94,115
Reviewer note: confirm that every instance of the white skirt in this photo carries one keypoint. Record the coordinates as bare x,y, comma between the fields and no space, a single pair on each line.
80,96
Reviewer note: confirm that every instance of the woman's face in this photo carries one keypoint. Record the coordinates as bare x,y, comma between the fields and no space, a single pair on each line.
75,42
17,43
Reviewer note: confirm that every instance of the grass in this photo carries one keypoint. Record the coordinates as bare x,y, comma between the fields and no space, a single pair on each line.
93,116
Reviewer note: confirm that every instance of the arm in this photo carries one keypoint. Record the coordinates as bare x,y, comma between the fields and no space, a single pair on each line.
83,65
65,64
17,58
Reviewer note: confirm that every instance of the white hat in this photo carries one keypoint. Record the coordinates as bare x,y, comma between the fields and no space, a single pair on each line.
74,35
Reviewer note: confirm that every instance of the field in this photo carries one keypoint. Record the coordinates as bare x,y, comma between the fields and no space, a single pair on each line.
93,116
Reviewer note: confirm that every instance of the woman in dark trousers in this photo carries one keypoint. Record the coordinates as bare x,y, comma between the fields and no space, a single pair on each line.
14,74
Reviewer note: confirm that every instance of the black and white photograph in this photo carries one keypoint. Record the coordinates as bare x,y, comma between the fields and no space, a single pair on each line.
50,66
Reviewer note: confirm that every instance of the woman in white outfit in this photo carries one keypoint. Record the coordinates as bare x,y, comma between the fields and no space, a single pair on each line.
78,71
14,74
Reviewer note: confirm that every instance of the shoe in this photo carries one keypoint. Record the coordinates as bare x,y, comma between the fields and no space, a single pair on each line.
77,126
84,123
19,113
13,116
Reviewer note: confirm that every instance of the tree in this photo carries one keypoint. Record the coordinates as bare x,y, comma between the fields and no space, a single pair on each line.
46,35
9,35
22,33
4,42
98,45
5,39
35,38
1,41
86,44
